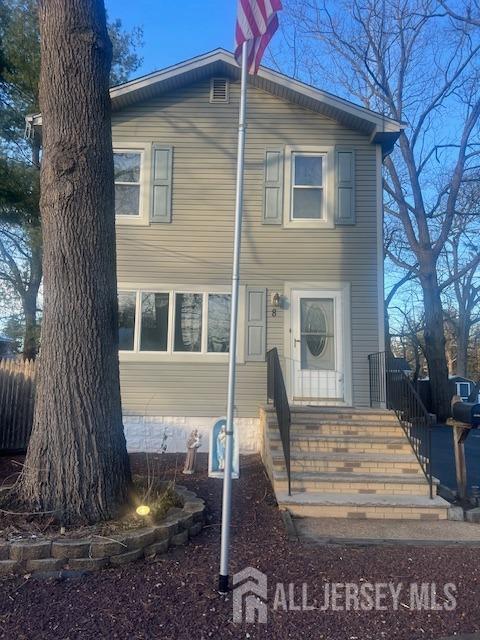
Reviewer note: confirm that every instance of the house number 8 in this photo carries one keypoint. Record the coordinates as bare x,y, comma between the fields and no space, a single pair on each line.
274,313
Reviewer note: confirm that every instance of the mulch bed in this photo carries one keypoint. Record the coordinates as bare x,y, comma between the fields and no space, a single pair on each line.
14,525
175,597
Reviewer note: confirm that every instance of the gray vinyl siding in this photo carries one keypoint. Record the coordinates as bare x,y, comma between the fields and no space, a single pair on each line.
196,247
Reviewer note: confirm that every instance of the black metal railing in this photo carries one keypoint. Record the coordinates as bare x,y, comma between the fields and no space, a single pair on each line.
277,394
391,388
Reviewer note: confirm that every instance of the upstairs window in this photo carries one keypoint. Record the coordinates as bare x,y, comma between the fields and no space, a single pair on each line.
309,189
127,165
307,199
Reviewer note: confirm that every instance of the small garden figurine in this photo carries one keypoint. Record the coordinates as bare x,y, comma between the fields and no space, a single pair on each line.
193,443
221,442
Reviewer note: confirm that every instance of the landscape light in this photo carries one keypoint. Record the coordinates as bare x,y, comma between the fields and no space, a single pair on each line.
143,510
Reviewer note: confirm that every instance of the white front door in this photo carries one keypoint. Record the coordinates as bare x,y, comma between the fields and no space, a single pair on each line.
317,351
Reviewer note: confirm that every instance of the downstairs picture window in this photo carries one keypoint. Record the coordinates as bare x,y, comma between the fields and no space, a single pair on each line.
174,322
218,335
126,320
188,322
154,321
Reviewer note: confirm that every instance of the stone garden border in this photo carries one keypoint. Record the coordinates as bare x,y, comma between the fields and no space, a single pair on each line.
97,552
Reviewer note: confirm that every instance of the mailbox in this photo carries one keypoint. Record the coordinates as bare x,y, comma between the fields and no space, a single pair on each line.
467,412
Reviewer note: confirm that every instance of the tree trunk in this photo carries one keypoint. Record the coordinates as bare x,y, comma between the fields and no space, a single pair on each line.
388,337
77,463
462,346
30,340
450,355
435,342
30,297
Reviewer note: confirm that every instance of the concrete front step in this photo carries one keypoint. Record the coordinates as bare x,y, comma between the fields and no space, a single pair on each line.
366,484
309,414
337,426
355,506
319,420
370,431
307,420
344,443
349,462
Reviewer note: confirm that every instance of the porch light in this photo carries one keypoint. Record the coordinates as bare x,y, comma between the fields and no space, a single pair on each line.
276,300
143,510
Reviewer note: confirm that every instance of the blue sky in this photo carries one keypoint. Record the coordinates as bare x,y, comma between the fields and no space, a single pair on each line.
175,30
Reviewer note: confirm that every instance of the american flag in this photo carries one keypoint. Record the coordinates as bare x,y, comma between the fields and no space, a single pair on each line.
257,21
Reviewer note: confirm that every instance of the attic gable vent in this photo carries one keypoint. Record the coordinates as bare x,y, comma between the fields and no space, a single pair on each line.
219,90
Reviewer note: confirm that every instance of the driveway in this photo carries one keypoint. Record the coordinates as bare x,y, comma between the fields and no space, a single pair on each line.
443,458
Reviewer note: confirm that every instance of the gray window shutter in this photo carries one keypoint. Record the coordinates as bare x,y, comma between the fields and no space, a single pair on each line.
345,186
162,156
256,312
273,198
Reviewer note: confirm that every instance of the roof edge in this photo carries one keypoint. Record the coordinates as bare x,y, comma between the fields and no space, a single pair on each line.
172,70
381,125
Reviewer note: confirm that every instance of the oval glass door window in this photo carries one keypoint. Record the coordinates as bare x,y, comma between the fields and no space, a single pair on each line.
317,339
316,330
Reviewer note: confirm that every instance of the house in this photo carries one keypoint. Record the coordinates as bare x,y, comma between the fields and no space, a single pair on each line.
311,276
7,348
465,388
459,386
401,365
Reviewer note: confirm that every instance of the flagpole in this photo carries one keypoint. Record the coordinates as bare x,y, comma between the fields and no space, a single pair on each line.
232,360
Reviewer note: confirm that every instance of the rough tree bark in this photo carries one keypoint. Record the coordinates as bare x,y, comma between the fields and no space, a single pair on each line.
77,463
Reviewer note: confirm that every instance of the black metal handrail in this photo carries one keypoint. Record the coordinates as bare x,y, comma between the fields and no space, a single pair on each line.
391,388
277,394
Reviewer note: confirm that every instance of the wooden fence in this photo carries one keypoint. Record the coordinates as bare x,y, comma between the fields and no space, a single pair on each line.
17,398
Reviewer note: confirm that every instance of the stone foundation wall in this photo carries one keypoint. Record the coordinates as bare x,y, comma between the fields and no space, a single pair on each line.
96,552
147,433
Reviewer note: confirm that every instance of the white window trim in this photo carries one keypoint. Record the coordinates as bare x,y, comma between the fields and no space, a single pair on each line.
145,151
182,356
328,204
